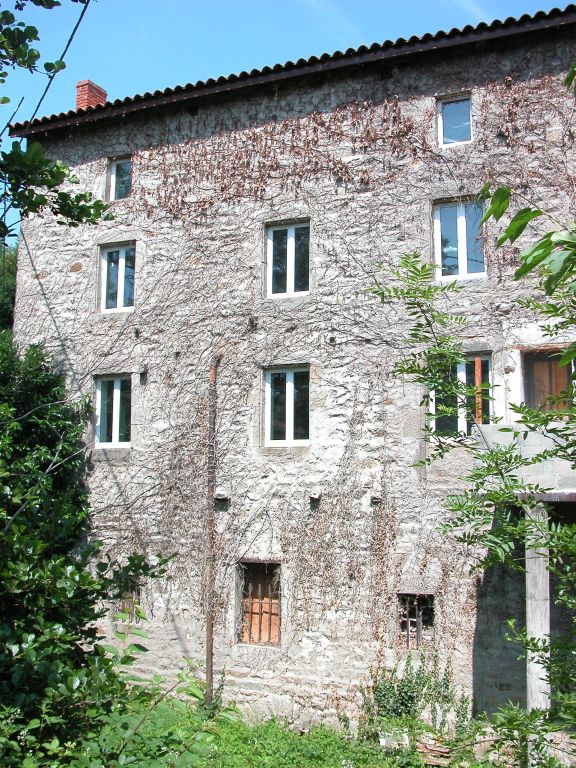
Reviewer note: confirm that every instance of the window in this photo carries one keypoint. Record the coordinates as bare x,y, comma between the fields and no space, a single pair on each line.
545,379
128,606
454,123
113,412
416,620
288,260
287,406
457,240
473,373
120,178
117,271
260,603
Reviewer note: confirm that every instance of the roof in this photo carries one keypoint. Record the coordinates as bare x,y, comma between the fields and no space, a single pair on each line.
353,57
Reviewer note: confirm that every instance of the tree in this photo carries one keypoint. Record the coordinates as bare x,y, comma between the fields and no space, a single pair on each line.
499,509
30,181
7,284
56,679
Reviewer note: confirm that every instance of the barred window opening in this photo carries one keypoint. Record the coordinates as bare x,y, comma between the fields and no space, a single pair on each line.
260,603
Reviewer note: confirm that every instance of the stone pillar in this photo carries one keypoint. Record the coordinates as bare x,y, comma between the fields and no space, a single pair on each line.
537,616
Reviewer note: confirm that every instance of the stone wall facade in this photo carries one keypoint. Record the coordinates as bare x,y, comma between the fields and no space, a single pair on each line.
349,517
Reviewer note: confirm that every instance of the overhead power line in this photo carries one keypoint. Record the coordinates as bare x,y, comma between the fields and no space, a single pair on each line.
64,52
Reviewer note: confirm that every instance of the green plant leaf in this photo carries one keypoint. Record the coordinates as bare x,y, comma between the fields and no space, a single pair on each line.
519,222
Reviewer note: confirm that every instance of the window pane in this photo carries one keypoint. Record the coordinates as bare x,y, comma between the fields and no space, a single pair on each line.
129,264
124,421
486,398
278,406
447,424
449,239
279,260
112,260
302,259
475,257
106,411
301,405
456,121
123,179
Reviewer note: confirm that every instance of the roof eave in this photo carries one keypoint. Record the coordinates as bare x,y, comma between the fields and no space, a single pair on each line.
228,87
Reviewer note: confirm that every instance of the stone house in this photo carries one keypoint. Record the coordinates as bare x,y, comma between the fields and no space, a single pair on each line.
251,214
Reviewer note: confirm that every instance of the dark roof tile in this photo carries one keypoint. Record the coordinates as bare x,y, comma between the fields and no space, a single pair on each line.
539,20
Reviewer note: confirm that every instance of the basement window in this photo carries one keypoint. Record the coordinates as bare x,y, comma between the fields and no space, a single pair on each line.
287,409
288,260
120,178
546,381
475,373
113,412
454,121
415,620
458,241
260,619
117,269
128,607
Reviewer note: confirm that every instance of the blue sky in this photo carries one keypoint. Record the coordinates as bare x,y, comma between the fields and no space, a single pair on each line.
133,46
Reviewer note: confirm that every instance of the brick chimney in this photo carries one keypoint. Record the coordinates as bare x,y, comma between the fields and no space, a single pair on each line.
88,94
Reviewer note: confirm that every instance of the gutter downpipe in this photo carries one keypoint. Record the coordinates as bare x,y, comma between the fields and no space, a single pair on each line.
211,528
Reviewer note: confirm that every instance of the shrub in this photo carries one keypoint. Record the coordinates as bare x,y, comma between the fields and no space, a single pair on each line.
57,681
415,697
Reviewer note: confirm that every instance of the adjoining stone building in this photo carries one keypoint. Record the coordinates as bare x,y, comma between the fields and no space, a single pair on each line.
250,216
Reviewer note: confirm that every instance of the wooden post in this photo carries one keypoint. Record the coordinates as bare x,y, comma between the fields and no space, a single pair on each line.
418,626
269,638
408,623
259,639
478,385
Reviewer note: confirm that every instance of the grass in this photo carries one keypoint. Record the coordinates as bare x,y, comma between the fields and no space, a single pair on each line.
272,744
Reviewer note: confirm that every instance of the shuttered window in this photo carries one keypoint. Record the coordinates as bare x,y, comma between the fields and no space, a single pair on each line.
545,379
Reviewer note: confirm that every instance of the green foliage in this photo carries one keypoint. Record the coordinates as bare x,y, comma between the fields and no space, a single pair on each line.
30,181
149,727
498,508
518,732
7,285
57,680
273,745
33,184
552,258
415,697
16,38
571,76
433,349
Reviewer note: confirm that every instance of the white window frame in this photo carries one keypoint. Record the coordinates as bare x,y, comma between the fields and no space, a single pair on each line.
461,375
113,163
290,260
115,443
289,441
440,105
104,251
462,273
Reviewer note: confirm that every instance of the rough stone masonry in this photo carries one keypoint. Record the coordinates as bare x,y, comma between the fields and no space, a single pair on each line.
348,524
